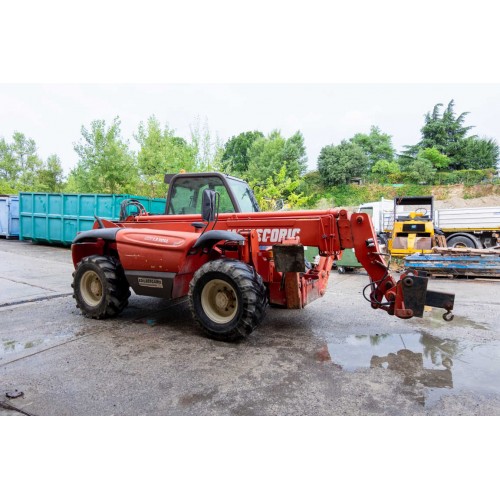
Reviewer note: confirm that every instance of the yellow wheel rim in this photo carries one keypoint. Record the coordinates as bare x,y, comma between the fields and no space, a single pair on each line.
91,288
219,301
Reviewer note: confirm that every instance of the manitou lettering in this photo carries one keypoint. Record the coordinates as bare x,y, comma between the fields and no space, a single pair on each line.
273,235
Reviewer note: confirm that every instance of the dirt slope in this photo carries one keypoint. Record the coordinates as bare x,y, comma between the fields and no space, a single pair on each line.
467,196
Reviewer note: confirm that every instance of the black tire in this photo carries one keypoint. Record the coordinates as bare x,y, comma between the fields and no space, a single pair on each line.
100,287
463,242
227,299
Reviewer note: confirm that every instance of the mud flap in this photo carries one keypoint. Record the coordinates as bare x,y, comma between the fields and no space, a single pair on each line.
289,258
416,296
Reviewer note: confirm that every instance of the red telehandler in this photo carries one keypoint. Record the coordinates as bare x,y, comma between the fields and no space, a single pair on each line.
214,246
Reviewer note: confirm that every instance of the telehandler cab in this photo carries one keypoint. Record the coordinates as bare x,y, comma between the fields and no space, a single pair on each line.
214,246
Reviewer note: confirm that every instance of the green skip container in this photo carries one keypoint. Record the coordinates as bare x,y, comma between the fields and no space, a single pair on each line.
56,218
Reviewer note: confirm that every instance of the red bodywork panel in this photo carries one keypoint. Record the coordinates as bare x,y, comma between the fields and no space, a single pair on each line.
156,250
157,262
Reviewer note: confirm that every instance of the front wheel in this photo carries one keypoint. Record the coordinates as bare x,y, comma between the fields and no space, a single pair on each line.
228,299
101,289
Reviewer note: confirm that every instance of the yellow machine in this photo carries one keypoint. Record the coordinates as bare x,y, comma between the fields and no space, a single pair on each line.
413,228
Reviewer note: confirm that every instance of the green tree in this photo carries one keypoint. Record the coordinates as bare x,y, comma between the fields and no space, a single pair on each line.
49,177
208,148
476,153
8,166
105,163
267,155
339,164
161,152
446,133
277,191
235,158
376,145
385,171
27,159
420,171
19,162
311,184
294,155
385,167
438,160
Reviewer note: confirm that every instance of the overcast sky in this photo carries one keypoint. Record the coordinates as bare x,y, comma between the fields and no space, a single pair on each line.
225,41
53,114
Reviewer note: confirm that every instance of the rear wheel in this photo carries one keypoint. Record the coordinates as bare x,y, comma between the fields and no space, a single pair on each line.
228,299
100,287
463,242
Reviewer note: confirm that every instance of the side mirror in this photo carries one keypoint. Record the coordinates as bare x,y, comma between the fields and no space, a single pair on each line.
208,205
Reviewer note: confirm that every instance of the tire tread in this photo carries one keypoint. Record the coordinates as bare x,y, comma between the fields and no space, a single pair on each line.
253,292
116,285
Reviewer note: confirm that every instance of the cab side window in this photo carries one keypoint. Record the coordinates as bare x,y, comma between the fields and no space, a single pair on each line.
183,201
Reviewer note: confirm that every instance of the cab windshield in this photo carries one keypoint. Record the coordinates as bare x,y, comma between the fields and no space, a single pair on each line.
187,194
244,195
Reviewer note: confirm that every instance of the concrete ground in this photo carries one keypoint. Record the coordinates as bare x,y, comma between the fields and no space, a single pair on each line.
336,357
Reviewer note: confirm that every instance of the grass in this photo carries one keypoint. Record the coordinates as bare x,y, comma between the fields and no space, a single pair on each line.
481,190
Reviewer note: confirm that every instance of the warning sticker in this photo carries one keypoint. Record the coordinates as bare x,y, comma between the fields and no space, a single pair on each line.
150,282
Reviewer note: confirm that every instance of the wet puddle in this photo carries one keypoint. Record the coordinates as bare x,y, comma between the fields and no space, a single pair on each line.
435,320
442,366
